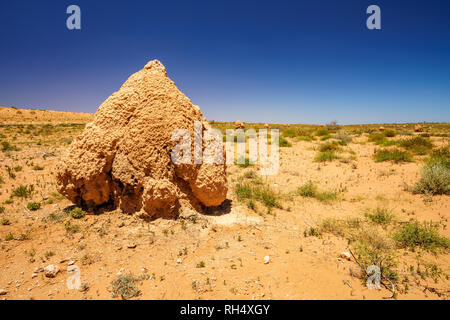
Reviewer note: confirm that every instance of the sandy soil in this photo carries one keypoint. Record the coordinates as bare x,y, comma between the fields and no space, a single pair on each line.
214,255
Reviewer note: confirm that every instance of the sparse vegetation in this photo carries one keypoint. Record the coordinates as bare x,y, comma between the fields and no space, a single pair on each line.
394,155
326,156
380,216
435,180
23,191
125,286
310,190
255,190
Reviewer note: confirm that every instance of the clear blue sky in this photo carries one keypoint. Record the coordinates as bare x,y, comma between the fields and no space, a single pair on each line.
278,61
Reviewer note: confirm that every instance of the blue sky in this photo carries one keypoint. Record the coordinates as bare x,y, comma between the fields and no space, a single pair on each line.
278,61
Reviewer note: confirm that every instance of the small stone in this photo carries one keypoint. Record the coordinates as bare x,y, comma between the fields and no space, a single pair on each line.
3,292
179,260
34,275
266,259
51,271
38,269
131,245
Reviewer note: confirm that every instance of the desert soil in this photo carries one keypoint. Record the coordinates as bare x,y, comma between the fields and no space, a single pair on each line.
218,254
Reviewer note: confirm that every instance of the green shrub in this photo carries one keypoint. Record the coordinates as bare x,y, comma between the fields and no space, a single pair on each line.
71,228
424,235
305,138
9,237
284,143
6,146
2,209
322,132
390,133
290,132
417,145
309,189
329,147
243,162
395,155
325,156
441,155
77,213
256,191
5,222
342,136
33,206
326,196
381,216
377,137
125,286
435,180
23,191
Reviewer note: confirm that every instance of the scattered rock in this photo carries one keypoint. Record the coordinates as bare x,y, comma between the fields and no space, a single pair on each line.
3,292
34,275
179,260
266,259
51,271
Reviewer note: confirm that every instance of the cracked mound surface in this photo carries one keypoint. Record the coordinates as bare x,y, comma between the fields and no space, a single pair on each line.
123,157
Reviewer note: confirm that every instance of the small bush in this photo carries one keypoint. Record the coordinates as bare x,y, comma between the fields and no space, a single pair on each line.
6,146
33,206
326,156
290,133
284,143
424,235
381,216
9,237
417,145
390,133
5,222
305,138
309,189
256,191
71,228
329,147
435,180
38,168
326,196
441,155
322,132
395,155
2,209
377,137
342,136
243,162
23,191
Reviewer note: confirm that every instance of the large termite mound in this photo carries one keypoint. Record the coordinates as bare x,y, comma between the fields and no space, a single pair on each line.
123,157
